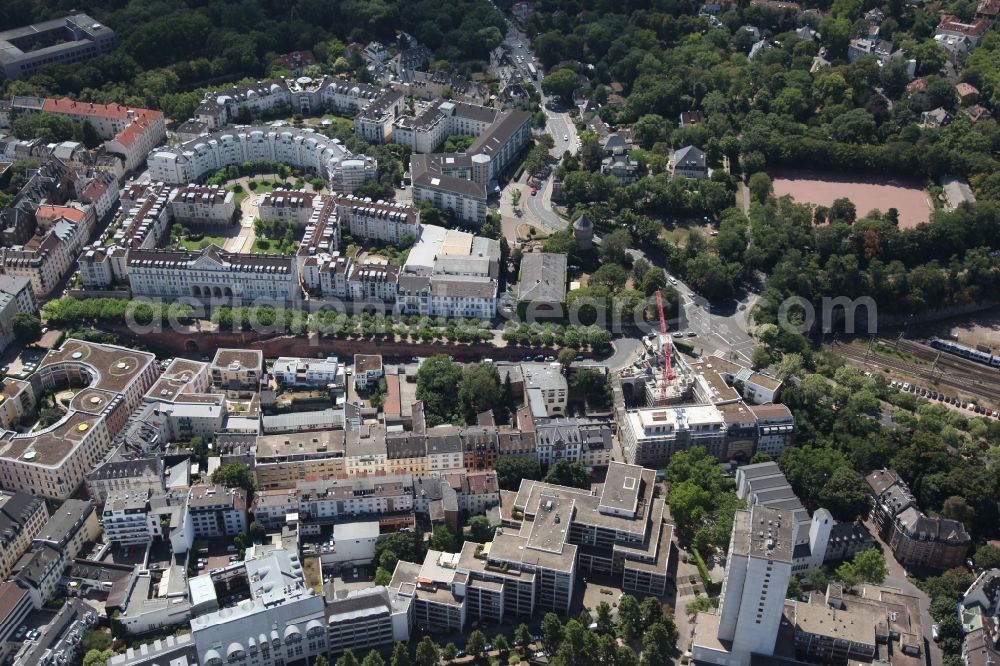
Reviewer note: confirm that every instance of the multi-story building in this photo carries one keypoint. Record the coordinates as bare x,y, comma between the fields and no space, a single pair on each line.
289,207
126,518
281,461
689,162
15,606
217,511
72,39
449,273
752,602
915,539
545,389
203,206
22,517
73,525
47,257
719,380
16,296
436,590
367,370
304,149
52,462
575,440
651,435
309,372
212,274
459,181
237,369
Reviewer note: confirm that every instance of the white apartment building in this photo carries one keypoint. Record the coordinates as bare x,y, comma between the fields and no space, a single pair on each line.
18,400
367,370
127,519
208,205
289,371
442,118
240,368
304,149
545,389
213,274
574,440
651,435
293,208
753,590
53,462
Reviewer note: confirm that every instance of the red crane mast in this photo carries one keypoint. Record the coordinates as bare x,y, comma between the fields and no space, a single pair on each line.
668,370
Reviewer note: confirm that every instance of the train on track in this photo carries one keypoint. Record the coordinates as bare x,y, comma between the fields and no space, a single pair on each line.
992,360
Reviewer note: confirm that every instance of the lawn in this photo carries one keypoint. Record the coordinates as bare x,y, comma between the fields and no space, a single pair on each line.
203,242
266,246
238,197
264,186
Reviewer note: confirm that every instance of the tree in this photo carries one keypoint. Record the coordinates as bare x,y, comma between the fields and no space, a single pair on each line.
561,82
97,657
845,495
511,469
566,473
257,531
480,529
867,567
437,380
605,623
760,457
450,651
234,475
566,357
629,617
552,631
611,276
842,210
500,645
442,538
987,557
373,658
591,385
348,659
657,643
690,506
475,645
428,653
400,655
479,390
958,508
615,245
522,636
27,328
652,611
760,186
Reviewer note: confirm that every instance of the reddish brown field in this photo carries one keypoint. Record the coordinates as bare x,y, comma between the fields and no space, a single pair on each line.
867,192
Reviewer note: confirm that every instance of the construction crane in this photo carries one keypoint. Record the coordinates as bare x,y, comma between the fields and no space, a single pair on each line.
668,370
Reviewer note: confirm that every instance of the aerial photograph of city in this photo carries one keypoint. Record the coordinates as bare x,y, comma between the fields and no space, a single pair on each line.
499,332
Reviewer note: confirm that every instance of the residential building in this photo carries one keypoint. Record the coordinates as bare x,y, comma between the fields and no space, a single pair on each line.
237,369
18,399
617,161
952,26
545,389
689,162
651,435
72,39
304,149
435,589
212,274
22,517
126,518
915,539
217,511
15,606
367,371
751,605
312,373
737,381
281,461
48,256
575,440
203,206
70,527
52,462
16,296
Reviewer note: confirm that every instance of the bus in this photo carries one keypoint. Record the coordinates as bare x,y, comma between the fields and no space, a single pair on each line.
532,71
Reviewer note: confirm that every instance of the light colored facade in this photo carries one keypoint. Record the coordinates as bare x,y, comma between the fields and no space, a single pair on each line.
212,274
753,592
689,162
73,525
242,368
304,149
209,205
651,435
309,372
46,258
281,461
367,370
545,389
53,462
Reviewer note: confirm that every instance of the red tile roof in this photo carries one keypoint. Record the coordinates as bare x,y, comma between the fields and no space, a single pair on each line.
95,189
953,24
47,211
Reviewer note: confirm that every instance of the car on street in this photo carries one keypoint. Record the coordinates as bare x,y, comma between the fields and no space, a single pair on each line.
565,137
673,280
534,190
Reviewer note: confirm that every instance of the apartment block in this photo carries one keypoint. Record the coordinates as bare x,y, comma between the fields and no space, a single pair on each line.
16,296
545,389
307,372
282,460
237,369
435,589
304,149
22,517
71,526
651,435
46,257
915,538
18,400
575,440
203,206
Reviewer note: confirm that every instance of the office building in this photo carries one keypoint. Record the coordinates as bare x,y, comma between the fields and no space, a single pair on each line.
72,39
52,462
753,592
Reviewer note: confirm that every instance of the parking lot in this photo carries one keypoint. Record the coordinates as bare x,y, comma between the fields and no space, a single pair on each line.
210,555
941,397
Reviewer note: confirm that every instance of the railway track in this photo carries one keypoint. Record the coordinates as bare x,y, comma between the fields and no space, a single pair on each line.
964,366
943,376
